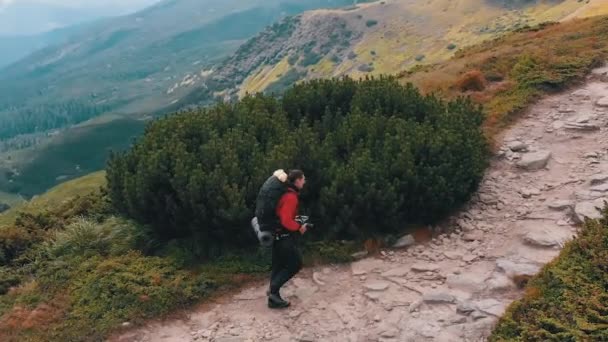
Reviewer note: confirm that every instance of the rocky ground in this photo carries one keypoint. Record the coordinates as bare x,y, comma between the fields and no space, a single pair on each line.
551,173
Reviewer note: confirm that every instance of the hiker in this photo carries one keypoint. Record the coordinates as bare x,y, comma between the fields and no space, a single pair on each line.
286,258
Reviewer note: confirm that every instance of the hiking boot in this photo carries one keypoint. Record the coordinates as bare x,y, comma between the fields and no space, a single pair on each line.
276,302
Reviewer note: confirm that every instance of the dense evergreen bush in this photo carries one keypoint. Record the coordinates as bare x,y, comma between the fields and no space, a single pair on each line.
378,155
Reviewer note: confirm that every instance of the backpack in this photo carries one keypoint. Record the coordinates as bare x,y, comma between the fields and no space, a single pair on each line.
268,198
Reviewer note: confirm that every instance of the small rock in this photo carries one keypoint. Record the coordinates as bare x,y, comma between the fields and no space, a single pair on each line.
359,255
512,268
377,318
589,210
517,146
373,296
561,205
390,333
424,267
452,255
600,188
603,102
126,324
465,308
438,297
584,118
415,306
575,126
543,237
589,155
598,179
584,93
405,241
478,315
397,272
295,314
557,125
534,161
376,286
458,320
306,337
469,258
529,192
500,283
471,283
473,236
491,306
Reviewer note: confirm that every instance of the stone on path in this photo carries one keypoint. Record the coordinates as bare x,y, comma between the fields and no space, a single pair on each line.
598,179
513,268
465,308
584,93
376,285
560,205
490,306
600,188
453,255
499,283
589,209
576,126
603,102
306,337
438,297
546,235
473,236
405,241
466,282
529,192
397,272
534,161
517,146
424,267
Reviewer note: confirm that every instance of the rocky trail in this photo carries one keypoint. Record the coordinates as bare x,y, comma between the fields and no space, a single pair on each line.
550,174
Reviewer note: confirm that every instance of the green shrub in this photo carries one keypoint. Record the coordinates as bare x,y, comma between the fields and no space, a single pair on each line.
86,238
366,147
567,300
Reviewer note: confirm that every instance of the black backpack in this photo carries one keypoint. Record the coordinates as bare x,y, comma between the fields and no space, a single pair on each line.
267,200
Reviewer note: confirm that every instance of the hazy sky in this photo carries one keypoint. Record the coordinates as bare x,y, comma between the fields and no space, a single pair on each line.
34,16
132,4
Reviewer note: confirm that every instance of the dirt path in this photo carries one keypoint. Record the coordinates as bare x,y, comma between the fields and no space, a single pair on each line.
551,172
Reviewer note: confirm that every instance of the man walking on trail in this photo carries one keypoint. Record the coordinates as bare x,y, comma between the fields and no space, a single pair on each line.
286,258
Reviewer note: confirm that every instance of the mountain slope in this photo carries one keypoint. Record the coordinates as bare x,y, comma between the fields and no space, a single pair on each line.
16,47
371,39
126,63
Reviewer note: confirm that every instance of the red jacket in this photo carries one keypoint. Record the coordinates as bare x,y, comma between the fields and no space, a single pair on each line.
287,209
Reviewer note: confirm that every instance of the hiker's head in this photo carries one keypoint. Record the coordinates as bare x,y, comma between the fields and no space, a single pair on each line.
296,179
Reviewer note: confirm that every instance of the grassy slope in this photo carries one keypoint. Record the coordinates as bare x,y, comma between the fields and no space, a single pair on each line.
568,299
520,67
55,197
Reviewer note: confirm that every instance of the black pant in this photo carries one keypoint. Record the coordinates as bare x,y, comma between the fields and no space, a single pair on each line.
286,262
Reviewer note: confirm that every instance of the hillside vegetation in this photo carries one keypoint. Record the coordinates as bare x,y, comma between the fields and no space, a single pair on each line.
508,73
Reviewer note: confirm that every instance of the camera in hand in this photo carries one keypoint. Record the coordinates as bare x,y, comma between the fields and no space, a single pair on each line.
303,220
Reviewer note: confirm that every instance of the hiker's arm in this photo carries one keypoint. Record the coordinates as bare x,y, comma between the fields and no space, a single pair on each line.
287,213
